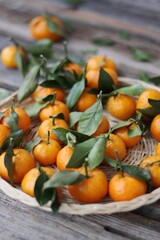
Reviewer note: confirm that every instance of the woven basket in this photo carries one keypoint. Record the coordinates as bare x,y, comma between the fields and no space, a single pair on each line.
134,156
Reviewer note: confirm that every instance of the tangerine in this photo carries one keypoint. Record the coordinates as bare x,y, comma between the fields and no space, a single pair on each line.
123,187
92,189
121,106
30,178
22,163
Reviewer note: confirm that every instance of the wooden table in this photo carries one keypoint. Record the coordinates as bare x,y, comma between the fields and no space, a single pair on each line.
103,19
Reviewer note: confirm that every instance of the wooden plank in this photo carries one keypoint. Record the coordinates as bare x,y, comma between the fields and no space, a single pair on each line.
130,225
39,6
22,222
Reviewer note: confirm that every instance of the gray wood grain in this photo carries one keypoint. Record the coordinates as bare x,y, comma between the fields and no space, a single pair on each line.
22,222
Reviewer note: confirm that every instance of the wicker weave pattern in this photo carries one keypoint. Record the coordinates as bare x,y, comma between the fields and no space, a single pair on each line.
68,205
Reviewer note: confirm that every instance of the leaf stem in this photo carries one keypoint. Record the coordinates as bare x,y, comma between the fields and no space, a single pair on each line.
48,138
86,168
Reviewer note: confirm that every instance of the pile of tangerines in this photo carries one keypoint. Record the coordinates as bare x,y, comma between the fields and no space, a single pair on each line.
75,137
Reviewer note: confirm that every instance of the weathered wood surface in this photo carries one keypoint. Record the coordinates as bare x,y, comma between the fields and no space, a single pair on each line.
101,19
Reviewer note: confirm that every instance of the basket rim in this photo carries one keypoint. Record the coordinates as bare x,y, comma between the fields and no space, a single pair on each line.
84,209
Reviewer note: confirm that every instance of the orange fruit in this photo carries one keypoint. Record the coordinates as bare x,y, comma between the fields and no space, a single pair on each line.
123,134
42,92
23,118
143,103
92,77
30,178
39,29
85,101
4,133
92,189
47,125
54,109
97,62
155,127
154,169
121,106
73,67
8,56
63,157
157,149
103,127
22,163
113,145
125,188
46,152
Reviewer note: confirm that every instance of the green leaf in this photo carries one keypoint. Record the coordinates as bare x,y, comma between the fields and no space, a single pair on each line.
97,153
141,55
91,118
75,3
134,90
4,94
30,145
155,80
75,93
53,27
61,134
136,131
103,42
137,172
64,178
106,83
29,84
81,151
55,205
125,35
144,77
34,109
121,124
42,196
41,47
110,161
22,63
12,120
8,161
17,138
90,51
1,115
74,118
153,111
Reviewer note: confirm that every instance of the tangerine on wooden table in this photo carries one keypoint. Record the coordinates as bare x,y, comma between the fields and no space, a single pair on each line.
46,152
73,67
121,106
24,120
49,125
123,134
153,164
4,133
123,187
39,29
8,56
92,77
97,62
115,144
92,189
42,92
30,178
22,163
